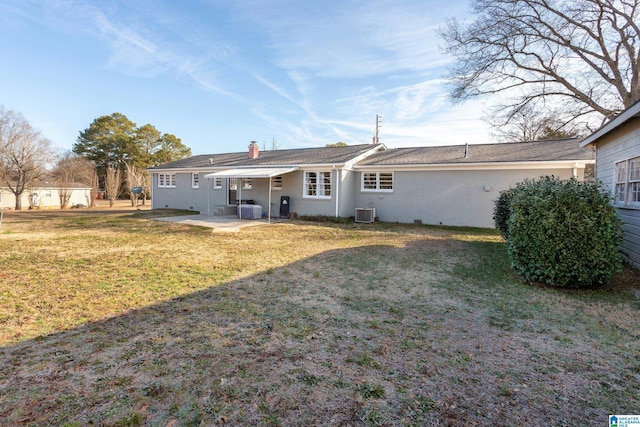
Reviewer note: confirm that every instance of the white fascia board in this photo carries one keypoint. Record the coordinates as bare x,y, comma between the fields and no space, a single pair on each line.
322,166
251,173
206,170
183,170
569,164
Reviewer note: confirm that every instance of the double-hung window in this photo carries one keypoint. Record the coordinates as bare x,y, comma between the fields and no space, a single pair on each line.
217,183
166,180
195,180
247,183
317,185
377,181
627,182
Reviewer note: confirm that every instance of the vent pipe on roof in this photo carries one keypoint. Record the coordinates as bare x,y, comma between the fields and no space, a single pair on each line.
466,150
253,150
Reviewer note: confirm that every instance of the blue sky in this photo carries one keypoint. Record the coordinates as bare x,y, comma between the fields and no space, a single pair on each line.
221,73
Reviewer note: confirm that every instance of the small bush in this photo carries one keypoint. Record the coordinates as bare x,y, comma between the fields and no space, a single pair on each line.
563,233
502,211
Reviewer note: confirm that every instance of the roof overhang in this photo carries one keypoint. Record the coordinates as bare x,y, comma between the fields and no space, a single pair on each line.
251,173
621,119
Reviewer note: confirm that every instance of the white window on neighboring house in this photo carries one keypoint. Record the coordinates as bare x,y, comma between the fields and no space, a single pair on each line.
166,180
317,185
47,194
217,183
247,183
377,181
195,180
276,183
627,182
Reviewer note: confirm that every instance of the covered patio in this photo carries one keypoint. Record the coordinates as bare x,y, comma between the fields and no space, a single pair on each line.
253,173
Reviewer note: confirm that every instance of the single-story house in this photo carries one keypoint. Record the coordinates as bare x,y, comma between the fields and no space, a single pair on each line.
450,185
617,146
46,195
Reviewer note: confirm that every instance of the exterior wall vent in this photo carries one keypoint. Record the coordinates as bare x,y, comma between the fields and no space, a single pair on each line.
365,215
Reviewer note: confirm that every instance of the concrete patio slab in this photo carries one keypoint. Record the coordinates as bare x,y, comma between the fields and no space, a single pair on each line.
226,223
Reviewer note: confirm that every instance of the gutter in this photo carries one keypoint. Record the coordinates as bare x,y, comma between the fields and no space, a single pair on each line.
477,166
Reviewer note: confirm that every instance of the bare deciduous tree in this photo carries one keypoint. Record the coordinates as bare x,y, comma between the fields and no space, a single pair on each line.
529,124
112,183
72,169
579,56
137,177
24,153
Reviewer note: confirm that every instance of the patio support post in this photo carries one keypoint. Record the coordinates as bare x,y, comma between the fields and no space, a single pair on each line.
338,174
239,184
269,209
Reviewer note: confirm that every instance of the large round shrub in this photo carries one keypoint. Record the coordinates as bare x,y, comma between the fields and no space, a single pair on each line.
563,233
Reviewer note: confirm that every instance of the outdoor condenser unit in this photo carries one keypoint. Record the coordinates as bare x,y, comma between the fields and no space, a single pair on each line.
365,215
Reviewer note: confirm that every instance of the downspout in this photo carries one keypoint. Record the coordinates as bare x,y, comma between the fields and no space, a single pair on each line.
575,170
208,197
338,176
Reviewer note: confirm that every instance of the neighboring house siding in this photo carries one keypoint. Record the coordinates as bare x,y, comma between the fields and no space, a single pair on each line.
620,144
447,197
48,198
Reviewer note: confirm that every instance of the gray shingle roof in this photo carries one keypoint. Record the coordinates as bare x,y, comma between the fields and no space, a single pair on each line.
293,157
562,149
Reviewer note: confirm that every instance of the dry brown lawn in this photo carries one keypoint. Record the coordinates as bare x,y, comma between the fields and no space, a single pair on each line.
116,320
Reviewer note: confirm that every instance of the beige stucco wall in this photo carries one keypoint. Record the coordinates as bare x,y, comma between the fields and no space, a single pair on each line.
447,197
621,144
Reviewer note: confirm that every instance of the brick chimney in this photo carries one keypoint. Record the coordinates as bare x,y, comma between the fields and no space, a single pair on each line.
253,150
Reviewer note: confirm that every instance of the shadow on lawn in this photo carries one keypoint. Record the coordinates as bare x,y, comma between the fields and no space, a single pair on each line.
374,340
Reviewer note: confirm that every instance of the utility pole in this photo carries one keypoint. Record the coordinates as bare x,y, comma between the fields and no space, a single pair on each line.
376,138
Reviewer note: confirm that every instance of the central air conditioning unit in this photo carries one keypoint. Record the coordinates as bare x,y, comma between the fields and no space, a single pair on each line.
365,215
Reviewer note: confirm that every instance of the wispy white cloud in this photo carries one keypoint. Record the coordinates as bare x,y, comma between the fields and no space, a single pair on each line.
352,60
136,38
352,39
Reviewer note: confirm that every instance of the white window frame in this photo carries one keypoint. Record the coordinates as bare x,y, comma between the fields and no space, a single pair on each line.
217,183
247,183
376,182
166,180
317,190
626,183
276,183
195,180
